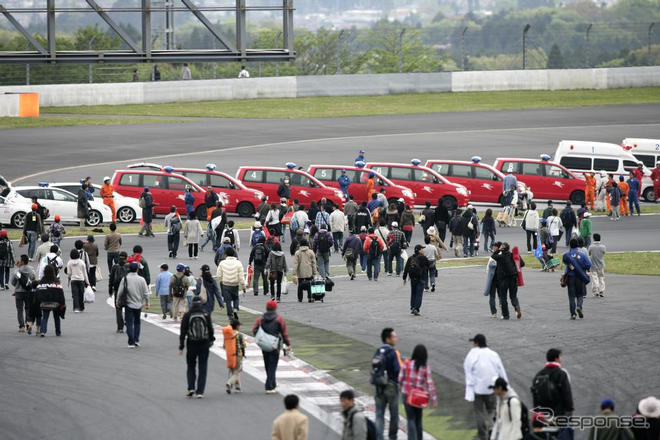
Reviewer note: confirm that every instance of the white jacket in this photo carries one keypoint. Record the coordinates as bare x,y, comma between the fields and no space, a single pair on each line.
555,225
273,217
481,366
192,232
230,273
337,221
531,220
507,423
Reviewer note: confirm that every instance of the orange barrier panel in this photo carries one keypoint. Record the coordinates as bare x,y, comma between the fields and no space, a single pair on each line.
28,105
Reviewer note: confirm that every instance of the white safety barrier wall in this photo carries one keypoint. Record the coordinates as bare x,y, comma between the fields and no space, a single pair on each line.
339,85
9,104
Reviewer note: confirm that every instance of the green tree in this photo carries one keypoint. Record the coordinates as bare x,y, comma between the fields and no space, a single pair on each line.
392,44
555,60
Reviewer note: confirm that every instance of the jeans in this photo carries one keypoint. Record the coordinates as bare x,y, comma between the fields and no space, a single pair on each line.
230,295
119,316
432,273
350,266
484,412
193,249
323,263
363,262
491,297
468,245
567,234
633,199
416,293
399,262
146,230
587,241
555,239
532,240
197,354
31,238
414,419
132,317
509,284
408,235
259,271
490,237
173,243
277,280
387,397
112,258
373,267
44,321
21,309
615,212
338,239
387,261
576,292
78,292
4,276
270,362
165,303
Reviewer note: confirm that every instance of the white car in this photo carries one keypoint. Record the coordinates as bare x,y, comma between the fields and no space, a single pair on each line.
13,208
63,203
128,208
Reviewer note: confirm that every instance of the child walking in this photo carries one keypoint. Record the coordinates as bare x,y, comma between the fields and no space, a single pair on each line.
234,345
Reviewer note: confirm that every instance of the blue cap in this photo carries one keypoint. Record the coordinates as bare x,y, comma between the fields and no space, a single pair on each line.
168,169
210,166
360,164
415,162
361,151
180,267
607,403
545,157
290,165
133,266
82,180
343,170
146,188
372,174
476,159
544,221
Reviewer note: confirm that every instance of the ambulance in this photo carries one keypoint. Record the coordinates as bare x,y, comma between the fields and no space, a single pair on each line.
594,157
645,150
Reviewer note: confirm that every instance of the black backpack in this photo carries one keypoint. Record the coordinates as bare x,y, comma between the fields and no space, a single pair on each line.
179,289
53,262
545,391
324,243
378,376
229,233
524,416
260,254
24,281
371,429
374,248
4,250
415,269
198,330
175,225
395,246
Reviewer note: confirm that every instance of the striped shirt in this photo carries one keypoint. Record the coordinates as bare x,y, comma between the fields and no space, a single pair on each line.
421,379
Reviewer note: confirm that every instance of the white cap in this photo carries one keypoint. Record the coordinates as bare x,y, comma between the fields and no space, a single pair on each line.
395,225
106,178
587,214
257,224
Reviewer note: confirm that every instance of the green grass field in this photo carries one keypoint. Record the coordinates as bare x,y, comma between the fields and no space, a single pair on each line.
67,121
342,106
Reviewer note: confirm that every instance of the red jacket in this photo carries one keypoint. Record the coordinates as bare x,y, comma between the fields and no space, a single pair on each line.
655,176
367,243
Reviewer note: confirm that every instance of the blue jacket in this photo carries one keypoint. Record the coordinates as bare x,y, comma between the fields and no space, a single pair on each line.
360,158
353,242
509,181
344,181
615,195
163,283
577,264
391,363
189,198
373,204
633,186
212,293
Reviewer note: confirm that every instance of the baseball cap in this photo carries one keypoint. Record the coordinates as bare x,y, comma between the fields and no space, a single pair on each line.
343,170
271,305
419,247
586,214
395,225
106,178
35,206
499,382
180,267
3,233
57,218
479,339
133,266
607,403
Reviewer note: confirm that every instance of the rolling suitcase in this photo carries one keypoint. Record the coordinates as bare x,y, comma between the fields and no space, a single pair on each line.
317,290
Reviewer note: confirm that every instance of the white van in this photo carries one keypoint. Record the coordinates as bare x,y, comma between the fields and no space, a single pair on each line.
646,150
594,157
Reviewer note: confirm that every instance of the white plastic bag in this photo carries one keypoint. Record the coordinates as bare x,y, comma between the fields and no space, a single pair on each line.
99,275
89,295
404,256
285,285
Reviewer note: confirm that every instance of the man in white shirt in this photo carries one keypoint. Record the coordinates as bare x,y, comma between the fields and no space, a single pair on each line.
53,257
186,74
337,226
243,73
481,365
507,421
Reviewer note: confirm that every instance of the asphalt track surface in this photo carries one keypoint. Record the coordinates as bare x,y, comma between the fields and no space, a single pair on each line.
87,385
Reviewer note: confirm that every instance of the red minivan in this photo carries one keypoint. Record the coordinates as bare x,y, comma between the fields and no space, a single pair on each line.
483,181
328,174
235,196
304,187
167,189
547,180
426,183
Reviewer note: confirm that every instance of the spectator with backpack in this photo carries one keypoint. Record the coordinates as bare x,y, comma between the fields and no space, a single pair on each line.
304,269
416,268
575,277
352,251
481,365
256,232
33,227
322,245
234,345
221,253
49,298
22,282
276,268
385,367
456,229
133,292
233,236
611,430
415,378
551,389
509,277
362,217
162,290
569,220
192,234
511,416
117,273
173,226
373,249
57,231
270,332
52,258
322,218
259,256
7,259
356,424
231,278
42,250
179,284
197,332
147,204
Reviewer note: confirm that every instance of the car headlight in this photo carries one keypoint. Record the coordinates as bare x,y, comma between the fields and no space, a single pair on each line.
462,191
339,194
407,193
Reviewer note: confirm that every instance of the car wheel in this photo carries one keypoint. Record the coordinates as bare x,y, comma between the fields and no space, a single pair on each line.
126,215
18,219
577,198
648,194
245,209
200,212
94,218
450,203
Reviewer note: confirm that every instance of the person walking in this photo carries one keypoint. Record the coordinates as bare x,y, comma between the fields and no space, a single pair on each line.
197,334
370,183
470,225
231,278
33,227
634,188
173,227
456,229
396,243
575,277
133,291
597,271
40,253
77,272
407,223
277,269
272,324
147,205
586,229
337,227
292,424
186,74
655,177
273,221
442,219
531,224
57,231
92,251
22,281
555,227
112,245
624,189
385,378
259,256
218,223
488,229
647,412
350,210
234,345
590,189
178,289
117,273
322,245
481,365
7,259
508,424
569,221
192,234
373,248
427,219
491,282
207,288
351,252
415,374
304,269
355,422
417,267
210,199
107,193
507,279
50,298
162,290
551,388
612,429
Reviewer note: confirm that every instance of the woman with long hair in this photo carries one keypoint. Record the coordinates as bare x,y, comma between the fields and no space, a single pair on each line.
273,221
415,374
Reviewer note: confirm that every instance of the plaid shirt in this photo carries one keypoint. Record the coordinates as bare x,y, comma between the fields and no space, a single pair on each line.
410,378
397,237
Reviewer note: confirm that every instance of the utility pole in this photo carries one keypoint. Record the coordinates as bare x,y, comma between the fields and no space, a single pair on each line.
338,67
27,74
277,45
403,31
463,48
648,50
586,45
91,72
524,46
